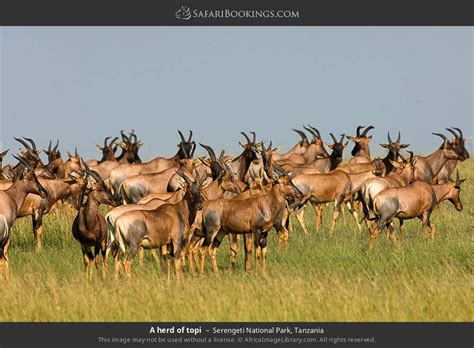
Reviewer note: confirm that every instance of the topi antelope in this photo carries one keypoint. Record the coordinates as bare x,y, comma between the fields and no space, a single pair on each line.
428,167
450,165
256,215
361,151
415,200
169,225
89,227
10,202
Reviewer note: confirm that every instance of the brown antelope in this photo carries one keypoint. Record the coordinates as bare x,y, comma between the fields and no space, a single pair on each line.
415,200
136,187
361,151
32,156
450,165
254,215
298,148
428,167
108,152
393,148
321,188
36,206
402,175
321,165
169,225
129,148
158,164
89,227
10,202
241,164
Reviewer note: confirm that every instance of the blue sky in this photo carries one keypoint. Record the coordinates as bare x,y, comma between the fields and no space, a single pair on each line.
81,84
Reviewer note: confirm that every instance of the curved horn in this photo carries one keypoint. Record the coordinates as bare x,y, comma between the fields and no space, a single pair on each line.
132,134
221,156
311,131
192,150
124,136
210,151
181,135
411,156
25,162
49,146
364,133
246,137
358,130
441,136
56,147
75,152
388,137
254,137
453,133
300,133
105,141
32,143
333,138
84,164
113,141
270,146
460,132
190,135
342,137
21,141
398,138
316,130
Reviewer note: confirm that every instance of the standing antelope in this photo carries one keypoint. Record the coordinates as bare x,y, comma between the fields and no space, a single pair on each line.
361,151
428,167
450,165
169,225
89,227
415,200
393,148
256,215
10,202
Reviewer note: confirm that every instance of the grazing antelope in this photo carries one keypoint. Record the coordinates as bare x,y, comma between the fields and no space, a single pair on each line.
361,151
89,227
158,164
450,165
169,225
254,215
429,166
418,199
10,202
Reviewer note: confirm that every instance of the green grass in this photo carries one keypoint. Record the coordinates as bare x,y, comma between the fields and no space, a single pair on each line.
317,279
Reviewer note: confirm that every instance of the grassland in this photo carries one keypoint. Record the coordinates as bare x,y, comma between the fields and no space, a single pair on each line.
317,279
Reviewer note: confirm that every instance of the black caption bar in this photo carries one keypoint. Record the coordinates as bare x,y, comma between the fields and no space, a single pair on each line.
242,334
238,12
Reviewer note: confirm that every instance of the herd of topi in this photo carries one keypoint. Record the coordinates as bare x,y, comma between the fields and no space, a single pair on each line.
184,206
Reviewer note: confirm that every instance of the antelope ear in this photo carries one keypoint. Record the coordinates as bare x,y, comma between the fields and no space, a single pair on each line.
206,183
351,138
403,146
331,146
181,182
384,146
100,148
369,137
396,164
467,138
276,149
344,145
242,145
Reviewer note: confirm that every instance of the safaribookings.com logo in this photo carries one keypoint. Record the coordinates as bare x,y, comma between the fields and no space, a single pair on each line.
185,13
